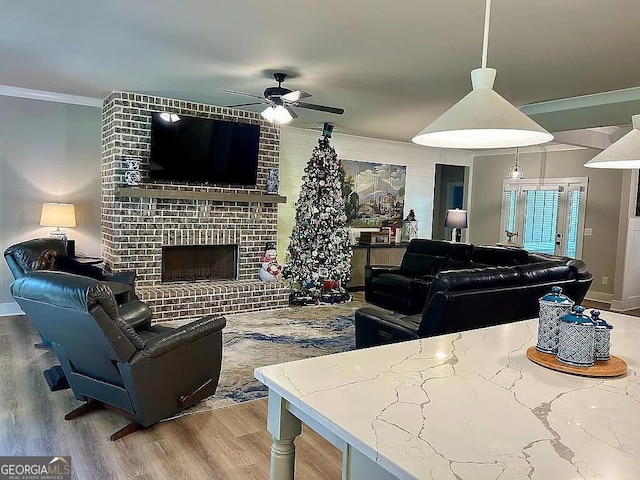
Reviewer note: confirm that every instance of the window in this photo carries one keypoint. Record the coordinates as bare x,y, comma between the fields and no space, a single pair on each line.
545,215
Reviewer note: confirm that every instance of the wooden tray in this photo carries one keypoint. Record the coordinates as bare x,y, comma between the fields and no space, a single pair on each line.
611,368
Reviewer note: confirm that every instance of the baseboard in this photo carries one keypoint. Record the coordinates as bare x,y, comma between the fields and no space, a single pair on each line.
630,303
599,296
10,309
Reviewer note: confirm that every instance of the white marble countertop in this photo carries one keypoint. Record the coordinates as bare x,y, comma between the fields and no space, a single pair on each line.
471,405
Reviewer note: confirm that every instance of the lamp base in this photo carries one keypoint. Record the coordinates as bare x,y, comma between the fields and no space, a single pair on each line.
57,233
456,235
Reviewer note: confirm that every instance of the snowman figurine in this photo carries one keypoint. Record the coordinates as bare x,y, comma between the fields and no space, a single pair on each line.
270,270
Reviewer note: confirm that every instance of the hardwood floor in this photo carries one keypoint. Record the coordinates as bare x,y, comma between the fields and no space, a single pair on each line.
229,443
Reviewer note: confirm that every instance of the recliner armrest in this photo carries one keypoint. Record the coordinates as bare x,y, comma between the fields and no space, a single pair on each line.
373,270
136,313
183,335
408,324
128,278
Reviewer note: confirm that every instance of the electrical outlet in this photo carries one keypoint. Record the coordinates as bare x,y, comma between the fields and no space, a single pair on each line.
605,280
588,232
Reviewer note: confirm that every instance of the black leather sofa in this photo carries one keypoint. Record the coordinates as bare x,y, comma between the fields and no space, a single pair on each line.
503,285
145,374
404,289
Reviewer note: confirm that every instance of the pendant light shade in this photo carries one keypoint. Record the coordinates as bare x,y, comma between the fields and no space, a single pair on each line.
483,119
625,153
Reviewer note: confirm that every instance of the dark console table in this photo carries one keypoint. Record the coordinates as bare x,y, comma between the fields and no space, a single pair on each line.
375,254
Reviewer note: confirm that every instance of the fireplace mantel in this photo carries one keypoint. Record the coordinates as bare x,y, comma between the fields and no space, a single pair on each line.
193,195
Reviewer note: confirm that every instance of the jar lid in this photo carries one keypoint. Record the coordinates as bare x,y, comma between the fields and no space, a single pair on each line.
577,316
600,322
555,296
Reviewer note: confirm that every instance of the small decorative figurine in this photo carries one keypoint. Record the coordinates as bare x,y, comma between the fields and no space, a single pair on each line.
410,227
270,270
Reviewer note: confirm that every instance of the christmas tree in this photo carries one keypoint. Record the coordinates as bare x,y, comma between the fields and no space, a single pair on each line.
319,249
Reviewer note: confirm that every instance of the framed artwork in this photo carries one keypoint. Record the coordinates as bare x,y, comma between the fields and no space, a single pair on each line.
373,194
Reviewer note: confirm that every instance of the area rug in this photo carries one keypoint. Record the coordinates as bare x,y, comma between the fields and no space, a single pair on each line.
268,337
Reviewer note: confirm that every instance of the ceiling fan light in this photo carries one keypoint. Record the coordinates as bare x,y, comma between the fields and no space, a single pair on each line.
282,115
482,119
268,113
625,153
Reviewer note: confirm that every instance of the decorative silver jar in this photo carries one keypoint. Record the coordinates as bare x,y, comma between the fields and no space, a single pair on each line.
553,307
602,338
576,339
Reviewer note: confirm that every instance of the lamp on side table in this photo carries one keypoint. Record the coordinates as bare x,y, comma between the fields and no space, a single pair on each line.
456,220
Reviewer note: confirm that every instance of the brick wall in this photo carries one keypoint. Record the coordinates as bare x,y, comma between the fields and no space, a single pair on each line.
135,229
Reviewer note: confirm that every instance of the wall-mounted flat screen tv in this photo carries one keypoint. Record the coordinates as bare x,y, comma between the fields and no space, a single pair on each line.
203,150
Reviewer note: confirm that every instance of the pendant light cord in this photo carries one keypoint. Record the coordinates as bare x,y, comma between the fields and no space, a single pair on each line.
485,41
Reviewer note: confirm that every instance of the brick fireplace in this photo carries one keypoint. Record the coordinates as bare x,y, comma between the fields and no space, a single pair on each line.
139,224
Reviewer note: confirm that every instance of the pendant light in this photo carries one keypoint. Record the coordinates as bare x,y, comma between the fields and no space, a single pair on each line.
516,172
625,153
483,119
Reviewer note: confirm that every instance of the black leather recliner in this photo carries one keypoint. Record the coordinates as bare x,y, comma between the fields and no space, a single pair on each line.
20,259
146,375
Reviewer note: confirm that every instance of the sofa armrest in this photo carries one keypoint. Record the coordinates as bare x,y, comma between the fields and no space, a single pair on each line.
184,335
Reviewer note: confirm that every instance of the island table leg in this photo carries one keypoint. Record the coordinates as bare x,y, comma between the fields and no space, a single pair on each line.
284,427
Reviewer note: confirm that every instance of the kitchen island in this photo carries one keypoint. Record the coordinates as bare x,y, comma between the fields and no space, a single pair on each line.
465,405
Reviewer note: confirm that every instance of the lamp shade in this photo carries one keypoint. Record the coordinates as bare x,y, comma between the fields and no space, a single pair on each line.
482,119
58,215
456,219
625,153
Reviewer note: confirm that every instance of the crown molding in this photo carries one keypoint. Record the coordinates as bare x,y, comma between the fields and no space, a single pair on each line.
19,92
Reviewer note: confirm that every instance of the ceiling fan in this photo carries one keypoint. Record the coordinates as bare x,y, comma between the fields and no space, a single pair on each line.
280,101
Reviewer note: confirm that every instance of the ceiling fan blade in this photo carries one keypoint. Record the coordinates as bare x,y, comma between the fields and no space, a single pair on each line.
295,96
246,104
320,108
224,90
290,110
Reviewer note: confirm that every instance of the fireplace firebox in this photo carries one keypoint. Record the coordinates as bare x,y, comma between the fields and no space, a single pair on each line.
194,263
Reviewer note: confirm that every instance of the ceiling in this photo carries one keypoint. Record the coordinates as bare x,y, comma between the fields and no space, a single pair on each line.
393,66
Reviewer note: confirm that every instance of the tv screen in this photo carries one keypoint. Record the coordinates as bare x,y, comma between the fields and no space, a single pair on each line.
203,150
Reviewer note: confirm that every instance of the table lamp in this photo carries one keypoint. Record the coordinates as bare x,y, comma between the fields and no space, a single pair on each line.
456,220
58,215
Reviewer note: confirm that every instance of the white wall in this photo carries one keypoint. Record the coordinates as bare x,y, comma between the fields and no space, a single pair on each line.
48,152
297,144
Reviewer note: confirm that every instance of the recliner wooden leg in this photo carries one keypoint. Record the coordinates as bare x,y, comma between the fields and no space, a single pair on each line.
82,409
124,431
